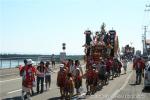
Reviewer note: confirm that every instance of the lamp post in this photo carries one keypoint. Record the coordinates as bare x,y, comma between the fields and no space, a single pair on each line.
143,41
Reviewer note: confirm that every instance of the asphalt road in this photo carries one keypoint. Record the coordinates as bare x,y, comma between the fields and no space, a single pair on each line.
121,88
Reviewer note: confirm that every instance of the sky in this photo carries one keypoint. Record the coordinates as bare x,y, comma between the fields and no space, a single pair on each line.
41,26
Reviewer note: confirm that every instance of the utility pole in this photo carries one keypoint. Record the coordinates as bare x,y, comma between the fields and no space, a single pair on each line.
144,40
146,10
145,31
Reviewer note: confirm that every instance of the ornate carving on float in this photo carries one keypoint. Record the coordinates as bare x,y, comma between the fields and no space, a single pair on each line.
98,46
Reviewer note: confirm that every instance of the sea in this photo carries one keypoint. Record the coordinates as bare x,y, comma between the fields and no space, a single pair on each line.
12,63
13,60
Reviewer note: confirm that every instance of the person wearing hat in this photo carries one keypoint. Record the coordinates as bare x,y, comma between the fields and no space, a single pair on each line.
30,63
40,77
61,78
28,78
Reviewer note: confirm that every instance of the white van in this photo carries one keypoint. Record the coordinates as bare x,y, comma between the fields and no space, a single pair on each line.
147,75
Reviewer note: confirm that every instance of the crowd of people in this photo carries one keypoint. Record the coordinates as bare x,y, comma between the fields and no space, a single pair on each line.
70,76
34,77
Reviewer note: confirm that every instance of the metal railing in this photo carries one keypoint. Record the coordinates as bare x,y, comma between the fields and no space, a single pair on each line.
8,62
14,61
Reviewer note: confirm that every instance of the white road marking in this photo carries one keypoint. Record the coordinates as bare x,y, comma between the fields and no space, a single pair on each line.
10,80
118,90
82,96
18,90
14,91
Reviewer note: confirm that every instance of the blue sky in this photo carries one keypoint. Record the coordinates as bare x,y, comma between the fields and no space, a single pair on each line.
41,26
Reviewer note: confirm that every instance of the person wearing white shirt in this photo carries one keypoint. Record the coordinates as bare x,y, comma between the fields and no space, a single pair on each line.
48,71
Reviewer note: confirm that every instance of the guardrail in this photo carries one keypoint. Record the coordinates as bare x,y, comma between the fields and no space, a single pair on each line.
8,62
16,61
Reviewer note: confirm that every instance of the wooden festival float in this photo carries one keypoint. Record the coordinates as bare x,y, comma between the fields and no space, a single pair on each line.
100,45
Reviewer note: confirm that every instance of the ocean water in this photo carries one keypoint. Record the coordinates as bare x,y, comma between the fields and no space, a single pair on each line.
11,63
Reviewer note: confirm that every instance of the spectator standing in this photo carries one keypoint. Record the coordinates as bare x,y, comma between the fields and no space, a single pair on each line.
124,62
40,77
53,60
139,68
48,72
29,72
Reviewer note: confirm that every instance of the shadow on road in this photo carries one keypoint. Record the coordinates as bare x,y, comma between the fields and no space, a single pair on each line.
146,90
55,98
123,74
134,84
13,98
18,97
99,87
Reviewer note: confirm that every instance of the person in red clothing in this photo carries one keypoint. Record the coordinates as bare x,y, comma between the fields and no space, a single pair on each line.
138,66
61,78
108,66
116,67
119,67
28,78
21,70
68,64
95,79
69,86
78,80
89,79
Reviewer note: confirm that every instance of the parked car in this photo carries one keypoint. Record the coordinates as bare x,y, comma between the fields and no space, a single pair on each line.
147,75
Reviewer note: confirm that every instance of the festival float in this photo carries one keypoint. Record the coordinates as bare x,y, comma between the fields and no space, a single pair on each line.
100,45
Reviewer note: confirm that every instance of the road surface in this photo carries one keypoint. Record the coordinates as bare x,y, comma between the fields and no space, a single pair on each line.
121,88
